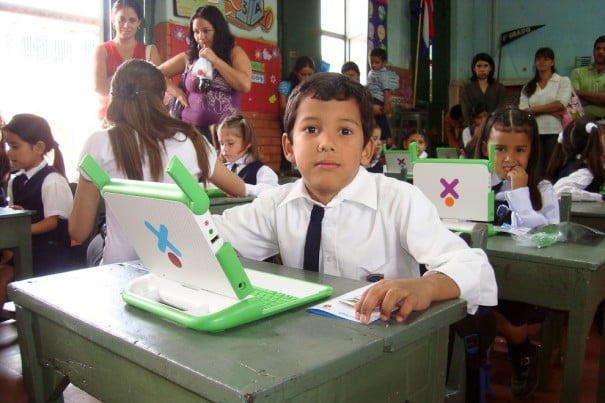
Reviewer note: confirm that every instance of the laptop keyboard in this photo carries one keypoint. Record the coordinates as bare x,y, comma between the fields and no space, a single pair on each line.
272,299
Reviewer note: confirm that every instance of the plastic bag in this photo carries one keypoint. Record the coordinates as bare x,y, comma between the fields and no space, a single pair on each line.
202,69
546,235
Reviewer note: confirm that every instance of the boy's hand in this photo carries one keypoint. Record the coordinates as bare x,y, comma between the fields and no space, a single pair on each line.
409,295
518,177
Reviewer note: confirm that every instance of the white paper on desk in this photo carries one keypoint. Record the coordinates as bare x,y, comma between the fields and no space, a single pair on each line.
342,306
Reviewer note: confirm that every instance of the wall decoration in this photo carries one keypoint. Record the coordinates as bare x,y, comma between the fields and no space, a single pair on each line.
377,24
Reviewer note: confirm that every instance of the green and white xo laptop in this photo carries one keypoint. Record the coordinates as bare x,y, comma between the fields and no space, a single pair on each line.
195,278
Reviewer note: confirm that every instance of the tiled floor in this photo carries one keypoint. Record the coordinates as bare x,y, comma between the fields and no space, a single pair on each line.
12,389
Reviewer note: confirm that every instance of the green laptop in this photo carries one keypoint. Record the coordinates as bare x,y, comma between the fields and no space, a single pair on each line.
195,278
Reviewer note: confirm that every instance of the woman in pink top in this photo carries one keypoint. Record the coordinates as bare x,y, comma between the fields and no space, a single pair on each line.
126,18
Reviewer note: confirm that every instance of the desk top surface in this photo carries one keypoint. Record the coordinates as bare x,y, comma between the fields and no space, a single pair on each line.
589,255
285,354
9,212
592,209
215,201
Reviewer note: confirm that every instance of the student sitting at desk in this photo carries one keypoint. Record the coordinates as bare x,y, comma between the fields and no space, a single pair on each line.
418,136
141,141
521,201
375,165
576,165
43,188
359,224
240,154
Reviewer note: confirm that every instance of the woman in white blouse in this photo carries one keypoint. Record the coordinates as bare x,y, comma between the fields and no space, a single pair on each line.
545,97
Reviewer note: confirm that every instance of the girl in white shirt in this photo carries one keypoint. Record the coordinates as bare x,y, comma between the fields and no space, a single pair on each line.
545,97
142,139
523,201
240,154
576,165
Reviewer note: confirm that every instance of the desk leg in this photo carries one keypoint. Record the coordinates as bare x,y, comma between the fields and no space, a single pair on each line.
43,383
574,355
601,387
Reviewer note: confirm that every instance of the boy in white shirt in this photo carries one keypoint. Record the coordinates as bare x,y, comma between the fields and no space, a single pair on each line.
371,224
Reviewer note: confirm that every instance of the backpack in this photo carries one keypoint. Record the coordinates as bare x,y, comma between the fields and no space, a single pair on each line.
573,109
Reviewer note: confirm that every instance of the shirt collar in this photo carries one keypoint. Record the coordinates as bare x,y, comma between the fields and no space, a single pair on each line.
31,172
362,190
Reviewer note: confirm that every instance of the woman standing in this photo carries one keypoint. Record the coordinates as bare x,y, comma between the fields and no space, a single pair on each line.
209,38
482,89
126,18
545,97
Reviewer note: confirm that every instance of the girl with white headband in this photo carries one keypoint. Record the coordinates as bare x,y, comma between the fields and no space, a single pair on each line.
576,165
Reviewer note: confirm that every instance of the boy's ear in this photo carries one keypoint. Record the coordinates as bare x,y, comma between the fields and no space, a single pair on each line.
288,149
368,152
484,149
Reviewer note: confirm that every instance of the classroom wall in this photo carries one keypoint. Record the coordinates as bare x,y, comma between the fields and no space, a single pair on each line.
571,28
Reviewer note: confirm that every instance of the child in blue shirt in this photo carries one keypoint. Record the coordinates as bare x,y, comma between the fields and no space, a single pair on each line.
389,225
381,81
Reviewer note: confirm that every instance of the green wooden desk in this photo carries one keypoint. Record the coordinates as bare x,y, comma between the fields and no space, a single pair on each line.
220,204
74,327
566,276
591,214
15,233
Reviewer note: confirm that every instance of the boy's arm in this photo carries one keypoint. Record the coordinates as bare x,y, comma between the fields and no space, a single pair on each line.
415,294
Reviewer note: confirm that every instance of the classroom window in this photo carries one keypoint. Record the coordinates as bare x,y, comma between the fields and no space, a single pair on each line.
48,70
344,33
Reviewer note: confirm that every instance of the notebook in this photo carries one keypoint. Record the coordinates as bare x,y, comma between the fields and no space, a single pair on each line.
460,189
195,278
396,159
447,152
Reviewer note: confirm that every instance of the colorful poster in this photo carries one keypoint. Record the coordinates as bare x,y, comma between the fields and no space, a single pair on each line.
186,8
377,25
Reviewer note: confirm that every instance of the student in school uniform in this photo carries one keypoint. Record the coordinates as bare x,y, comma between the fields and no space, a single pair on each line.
576,165
239,154
522,200
419,137
40,187
358,224
375,165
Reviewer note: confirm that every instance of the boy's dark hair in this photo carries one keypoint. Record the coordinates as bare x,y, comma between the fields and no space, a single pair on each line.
508,119
478,109
456,112
483,57
577,140
600,39
380,53
350,66
328,87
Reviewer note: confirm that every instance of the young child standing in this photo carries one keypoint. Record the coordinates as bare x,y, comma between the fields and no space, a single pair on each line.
576,165
522,200
391,225
381,81
375,166
240,154
42,188
417,136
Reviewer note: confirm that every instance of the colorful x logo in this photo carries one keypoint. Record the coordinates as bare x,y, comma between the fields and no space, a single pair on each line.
162,234
401,162
448,188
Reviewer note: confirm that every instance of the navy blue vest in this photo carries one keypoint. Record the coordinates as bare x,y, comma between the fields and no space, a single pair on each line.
49,250
377,169
248,173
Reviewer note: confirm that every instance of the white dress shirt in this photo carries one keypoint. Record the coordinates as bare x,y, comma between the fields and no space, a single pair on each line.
519,203
557,89
576,184
376,224
266,178
57,197
117,247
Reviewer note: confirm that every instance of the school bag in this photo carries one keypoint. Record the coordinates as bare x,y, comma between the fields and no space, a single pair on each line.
573,109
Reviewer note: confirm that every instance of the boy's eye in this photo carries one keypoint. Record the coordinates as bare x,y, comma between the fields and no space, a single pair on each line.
311,130
346,132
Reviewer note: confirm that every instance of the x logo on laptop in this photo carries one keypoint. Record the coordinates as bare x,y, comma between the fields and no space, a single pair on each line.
162,234
449,188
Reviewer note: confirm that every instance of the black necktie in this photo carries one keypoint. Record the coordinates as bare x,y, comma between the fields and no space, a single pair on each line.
313,241
234,168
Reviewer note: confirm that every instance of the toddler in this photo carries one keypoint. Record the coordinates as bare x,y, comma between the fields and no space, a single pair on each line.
417,136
